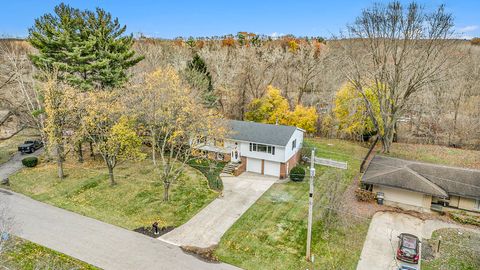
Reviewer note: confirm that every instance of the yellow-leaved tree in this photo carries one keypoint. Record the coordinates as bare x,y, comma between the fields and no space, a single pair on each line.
177,123
351,113
273,108
60,107
112,132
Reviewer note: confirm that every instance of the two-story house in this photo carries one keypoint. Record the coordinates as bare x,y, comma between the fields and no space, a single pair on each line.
260,148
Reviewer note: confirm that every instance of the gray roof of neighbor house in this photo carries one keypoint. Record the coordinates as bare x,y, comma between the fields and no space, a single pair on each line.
436,180
260,133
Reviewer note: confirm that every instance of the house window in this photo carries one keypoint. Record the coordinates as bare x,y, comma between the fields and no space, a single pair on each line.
294,144
262,148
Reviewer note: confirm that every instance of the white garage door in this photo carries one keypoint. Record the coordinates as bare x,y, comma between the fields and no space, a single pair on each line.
271,168
254,165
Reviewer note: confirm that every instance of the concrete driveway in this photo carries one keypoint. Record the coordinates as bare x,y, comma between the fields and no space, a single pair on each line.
208,226
381,243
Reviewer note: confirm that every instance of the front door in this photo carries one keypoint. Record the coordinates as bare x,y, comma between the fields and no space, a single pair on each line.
235,155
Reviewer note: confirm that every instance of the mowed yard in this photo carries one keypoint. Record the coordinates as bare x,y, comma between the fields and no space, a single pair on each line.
272,233
136,201
25,255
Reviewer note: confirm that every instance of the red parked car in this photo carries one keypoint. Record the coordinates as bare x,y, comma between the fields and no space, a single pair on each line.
408,248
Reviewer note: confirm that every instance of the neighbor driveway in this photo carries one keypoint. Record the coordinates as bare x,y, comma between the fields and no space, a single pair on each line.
381,243
15,163
208,226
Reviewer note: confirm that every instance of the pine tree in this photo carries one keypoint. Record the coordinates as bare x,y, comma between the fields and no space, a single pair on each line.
200,79
88,48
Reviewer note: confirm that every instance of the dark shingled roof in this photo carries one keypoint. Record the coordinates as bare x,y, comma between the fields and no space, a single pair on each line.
436,180
260,133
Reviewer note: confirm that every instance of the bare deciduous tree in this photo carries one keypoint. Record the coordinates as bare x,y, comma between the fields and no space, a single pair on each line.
398,50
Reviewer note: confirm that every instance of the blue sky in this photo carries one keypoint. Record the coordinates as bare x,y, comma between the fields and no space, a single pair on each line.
169,19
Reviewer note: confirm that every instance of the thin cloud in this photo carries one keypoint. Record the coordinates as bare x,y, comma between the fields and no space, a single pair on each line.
468,28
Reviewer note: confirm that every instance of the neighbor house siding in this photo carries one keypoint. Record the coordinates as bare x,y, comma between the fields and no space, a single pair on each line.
404,198
468,204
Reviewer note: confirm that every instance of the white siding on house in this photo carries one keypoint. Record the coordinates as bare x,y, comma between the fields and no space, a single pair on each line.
254,165
271,168
289,152
278,157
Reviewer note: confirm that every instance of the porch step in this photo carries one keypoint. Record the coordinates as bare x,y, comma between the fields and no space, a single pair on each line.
230,167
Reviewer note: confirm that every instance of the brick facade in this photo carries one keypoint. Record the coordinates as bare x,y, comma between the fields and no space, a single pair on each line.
291,163
241,168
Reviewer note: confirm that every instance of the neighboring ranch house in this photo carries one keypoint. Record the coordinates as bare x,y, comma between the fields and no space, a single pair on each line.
260,148
423,186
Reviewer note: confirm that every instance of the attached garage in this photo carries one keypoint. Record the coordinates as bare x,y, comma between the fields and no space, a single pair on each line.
254,165
271,168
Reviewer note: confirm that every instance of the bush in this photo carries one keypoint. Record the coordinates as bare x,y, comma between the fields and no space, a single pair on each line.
363,195
297,174
30,161
465,218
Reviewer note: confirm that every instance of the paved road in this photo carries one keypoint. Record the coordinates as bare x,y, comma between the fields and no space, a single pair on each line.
208,226
381,243
100,244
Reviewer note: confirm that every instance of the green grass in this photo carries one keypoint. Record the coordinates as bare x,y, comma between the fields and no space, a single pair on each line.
25,255
136,201
272,233
9,147
437,154
211,170
459,250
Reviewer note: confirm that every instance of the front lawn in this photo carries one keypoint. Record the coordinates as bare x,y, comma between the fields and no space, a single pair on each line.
10,146
459,249
136,200
25,255
272,233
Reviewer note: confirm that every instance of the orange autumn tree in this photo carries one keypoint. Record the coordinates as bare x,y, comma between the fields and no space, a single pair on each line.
273,108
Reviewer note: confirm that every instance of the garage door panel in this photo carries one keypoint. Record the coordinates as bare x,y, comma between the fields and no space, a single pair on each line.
254,165
272,168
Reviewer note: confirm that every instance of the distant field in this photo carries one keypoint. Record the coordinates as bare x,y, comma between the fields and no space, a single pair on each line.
9,147
437,154
25,255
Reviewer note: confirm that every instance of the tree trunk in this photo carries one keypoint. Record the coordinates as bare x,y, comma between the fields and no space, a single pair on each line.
80,152
154,147
110,174
61,175
166,186
92,154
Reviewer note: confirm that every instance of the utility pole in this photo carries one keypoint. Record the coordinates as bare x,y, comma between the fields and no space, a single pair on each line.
310,205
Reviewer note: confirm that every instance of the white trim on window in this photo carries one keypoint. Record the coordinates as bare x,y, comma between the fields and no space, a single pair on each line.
262,148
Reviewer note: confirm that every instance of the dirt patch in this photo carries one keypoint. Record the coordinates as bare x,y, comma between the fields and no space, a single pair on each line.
427,251
148,231
205,254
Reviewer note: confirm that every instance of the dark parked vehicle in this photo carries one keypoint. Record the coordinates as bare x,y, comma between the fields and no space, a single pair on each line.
408,248
30,146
